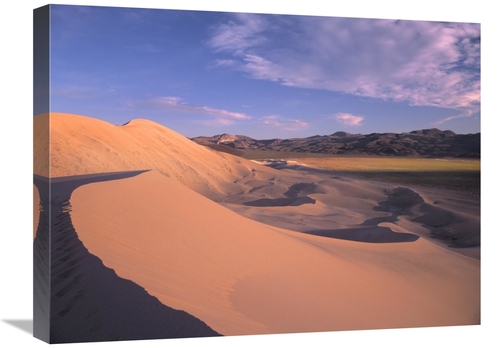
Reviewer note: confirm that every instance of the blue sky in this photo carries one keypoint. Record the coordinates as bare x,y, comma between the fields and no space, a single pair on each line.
266,76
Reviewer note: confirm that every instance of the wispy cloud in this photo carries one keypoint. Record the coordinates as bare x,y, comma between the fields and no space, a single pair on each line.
74,91
221,116
348,119
421,63
467,113
222,63
239,34
77,85
283,123
218,122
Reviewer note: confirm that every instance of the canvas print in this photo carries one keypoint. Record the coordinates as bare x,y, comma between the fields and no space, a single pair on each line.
203,174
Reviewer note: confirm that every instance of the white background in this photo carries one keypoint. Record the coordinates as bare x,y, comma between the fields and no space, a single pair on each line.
16,170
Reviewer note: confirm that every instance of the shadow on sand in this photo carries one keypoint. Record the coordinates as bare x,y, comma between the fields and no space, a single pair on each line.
83,300
398,202
368,234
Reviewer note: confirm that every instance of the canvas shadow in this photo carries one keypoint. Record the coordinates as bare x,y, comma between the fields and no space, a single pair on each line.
25,325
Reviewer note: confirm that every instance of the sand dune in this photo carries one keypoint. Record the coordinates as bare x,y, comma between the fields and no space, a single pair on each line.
83,145
88,301
250,249
343,207
41,147
243,277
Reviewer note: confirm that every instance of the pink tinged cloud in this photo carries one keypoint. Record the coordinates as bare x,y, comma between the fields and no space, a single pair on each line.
348,119
422,63
283,123
218,122
222,63
464,114
222,117
238,35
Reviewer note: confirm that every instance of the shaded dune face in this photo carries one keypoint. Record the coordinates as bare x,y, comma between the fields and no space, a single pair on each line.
36,209
88,301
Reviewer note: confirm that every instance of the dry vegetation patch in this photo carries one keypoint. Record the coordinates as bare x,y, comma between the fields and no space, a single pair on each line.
456,174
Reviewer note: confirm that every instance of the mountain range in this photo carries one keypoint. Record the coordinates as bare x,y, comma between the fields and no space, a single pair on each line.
424,143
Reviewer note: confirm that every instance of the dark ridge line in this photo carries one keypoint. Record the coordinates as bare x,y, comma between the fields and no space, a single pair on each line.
89,302
366,234
280,202
426,143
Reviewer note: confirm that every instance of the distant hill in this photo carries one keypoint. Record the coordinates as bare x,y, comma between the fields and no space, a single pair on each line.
424,143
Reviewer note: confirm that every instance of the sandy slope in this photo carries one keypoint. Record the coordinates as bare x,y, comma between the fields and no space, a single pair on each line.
84,300
358,261
83,145
348,208
41,147
243,277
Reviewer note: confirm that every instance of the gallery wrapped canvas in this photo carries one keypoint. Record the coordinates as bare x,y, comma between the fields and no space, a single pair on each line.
207,174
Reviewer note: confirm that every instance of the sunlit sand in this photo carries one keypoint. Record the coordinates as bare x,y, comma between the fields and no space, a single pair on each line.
250,249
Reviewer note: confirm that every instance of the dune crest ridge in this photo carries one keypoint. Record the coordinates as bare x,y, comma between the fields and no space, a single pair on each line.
84,145
243,277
